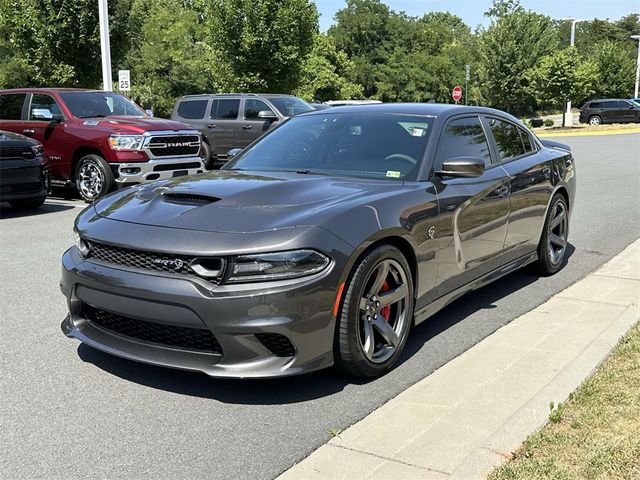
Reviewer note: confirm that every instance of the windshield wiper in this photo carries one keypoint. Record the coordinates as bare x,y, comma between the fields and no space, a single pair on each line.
101,115
304,171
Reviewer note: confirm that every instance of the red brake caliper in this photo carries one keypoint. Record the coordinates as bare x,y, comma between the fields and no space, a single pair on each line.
385,311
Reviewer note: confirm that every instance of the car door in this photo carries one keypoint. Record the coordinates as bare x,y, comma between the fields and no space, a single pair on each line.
42,125
628,111
529,172
253,126
194,112
611,112
12,107
473,212
223,125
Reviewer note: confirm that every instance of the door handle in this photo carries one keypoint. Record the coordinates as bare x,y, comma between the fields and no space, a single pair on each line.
28,132
211,125
502,191
546,171
247,127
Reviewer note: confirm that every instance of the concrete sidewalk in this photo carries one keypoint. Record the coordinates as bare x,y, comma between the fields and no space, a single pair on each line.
468,416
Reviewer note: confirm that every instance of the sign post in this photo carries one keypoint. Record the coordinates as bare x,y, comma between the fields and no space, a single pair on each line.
105,48
124,80
467,75
456,93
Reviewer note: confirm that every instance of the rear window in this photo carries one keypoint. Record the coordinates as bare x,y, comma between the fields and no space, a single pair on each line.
193,109
11,106
463,137
226,108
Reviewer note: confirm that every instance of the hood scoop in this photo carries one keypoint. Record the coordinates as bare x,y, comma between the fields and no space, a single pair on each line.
186,198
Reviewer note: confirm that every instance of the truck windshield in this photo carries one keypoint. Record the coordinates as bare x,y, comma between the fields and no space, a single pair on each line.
290,106
100,104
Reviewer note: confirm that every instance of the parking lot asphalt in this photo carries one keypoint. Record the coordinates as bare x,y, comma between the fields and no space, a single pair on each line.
68,411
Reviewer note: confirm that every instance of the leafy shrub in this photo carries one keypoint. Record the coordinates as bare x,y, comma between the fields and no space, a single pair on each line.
549,123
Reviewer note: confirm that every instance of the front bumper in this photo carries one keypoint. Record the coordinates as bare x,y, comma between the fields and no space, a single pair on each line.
156,169
20,179
300,311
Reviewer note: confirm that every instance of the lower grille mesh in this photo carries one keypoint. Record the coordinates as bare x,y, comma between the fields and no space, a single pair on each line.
186,338
278,344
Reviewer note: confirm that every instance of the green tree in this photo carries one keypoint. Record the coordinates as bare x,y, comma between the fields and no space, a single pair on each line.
616,70
325,73
171,56
562,76
264,42
56,42
510,47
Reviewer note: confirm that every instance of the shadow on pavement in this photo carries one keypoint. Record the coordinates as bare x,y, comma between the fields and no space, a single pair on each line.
6,211
304,387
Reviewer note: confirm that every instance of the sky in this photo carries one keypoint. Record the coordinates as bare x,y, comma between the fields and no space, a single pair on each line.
472,11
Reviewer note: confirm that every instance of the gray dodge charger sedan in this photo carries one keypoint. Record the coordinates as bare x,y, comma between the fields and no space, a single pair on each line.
320,244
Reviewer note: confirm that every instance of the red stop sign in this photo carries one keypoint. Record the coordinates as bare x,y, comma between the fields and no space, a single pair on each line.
457,93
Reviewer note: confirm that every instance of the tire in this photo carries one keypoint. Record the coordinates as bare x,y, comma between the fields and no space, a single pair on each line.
206,156
94,178
27,203
595,120
363,348
553,241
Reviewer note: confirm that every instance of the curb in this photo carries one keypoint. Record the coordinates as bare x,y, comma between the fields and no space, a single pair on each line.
467,417
587,133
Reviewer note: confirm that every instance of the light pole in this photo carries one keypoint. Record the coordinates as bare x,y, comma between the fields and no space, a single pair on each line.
568,116
635,92
105,48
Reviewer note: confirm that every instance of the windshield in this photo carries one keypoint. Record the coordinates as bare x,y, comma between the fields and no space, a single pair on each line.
383,146
100,104
290,106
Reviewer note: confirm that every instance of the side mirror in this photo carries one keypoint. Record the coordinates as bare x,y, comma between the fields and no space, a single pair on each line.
57,118
149,112
462,167
267,115
41,114
233,152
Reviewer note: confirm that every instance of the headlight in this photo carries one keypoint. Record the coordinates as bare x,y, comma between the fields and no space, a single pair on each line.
83,245
276,266
37,150
126,142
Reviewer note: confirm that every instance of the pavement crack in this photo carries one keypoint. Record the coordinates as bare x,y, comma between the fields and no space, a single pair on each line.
356,450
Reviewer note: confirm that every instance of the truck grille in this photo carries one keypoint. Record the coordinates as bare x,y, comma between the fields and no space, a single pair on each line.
159,262
10,151
174,145
185,338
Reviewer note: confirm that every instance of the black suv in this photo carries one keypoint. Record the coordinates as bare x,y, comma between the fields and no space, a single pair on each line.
610,110
234,120
24,176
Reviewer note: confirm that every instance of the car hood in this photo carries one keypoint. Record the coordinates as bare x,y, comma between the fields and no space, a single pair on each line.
239,201
137,124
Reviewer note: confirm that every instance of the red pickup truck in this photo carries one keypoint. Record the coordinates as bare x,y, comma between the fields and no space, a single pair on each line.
99,141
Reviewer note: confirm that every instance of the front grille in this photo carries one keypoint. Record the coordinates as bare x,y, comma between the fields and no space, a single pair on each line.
174,145
278,344
159,262
176,166
33,187
186,338
12,151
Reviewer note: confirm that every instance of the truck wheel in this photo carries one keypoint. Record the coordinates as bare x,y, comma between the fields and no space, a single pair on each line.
205,153
94,178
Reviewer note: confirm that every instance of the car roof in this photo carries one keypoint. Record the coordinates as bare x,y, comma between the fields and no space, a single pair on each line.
608,99
265,95
424,109
46,89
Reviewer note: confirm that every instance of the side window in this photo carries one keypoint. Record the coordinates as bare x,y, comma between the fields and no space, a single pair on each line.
462,137
11,106
43,102
225,109
610,104
252,107
507,137
526,141
623,104
193,109
595,105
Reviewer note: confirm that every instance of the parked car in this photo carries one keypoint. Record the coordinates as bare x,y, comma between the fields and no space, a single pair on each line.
98,141
24,176
320,244
610,110
234,120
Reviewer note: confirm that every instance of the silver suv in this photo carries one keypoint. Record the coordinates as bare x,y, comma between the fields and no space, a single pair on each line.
234,120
